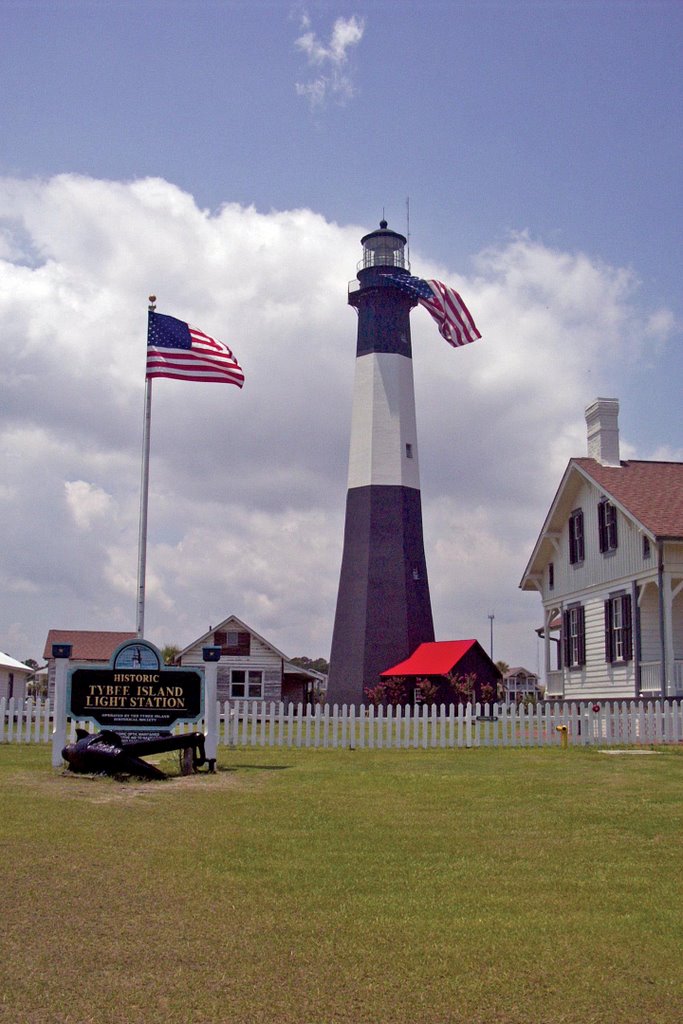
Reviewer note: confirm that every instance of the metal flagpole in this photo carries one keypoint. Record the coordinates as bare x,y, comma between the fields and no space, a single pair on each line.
144,494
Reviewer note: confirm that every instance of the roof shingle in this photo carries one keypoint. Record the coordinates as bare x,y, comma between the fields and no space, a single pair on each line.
652,492
87,644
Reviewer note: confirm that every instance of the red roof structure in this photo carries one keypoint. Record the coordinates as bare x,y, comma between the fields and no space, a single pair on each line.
87,644
432,659
652,492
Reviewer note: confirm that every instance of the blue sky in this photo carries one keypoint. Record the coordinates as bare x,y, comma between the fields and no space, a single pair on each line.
540,146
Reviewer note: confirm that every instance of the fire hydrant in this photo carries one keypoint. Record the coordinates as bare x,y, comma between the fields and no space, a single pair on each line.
564,735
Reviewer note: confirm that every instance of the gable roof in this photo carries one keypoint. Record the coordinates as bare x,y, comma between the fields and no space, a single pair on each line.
87,644
232,620
519,671
12,665
436,658
651,492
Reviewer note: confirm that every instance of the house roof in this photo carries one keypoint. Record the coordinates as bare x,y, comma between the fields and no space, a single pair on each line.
432,659
235,623
12,665
652,492
87,644
520,671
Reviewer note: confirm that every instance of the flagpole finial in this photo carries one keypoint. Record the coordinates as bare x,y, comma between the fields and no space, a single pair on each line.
152,302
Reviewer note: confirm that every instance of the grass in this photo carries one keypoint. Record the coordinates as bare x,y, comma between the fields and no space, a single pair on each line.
345,887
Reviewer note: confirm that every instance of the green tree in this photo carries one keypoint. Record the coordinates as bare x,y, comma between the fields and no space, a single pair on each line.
169,652
313,665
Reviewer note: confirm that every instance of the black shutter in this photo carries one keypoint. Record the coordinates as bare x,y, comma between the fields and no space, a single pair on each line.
627,626
609,636
565,646
581,551
602,527
581,626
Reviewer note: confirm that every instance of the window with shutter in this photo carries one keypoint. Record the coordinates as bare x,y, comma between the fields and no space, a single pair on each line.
618,628
607,526
574,638
576,545
233,644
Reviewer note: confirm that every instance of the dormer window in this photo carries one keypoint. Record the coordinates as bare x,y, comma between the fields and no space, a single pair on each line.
607,526
576,545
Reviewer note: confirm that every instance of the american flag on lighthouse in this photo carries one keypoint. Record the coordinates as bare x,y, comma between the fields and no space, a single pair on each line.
177,350
445,306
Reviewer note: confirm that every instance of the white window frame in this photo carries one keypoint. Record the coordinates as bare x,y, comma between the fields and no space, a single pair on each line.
617,629
252,682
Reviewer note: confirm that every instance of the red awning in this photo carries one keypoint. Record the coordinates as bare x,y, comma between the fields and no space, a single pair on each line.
432,659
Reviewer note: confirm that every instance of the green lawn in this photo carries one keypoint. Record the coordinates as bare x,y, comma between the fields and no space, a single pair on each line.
345,887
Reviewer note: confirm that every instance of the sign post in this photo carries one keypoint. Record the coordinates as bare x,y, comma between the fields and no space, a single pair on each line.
61,653
211,656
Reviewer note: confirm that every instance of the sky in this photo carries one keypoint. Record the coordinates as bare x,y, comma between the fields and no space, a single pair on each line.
228,157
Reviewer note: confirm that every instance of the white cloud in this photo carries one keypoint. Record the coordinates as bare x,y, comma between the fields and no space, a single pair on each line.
247,488
86,502
334,78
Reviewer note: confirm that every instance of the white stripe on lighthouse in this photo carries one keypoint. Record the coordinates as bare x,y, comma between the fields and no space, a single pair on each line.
383,431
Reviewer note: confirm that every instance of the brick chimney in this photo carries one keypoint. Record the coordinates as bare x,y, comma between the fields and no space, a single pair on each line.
602,421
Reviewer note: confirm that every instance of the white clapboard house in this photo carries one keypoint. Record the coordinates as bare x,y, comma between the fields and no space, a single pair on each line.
251,668
608,565
14,676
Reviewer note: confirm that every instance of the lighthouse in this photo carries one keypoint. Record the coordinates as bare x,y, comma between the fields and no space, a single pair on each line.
383,604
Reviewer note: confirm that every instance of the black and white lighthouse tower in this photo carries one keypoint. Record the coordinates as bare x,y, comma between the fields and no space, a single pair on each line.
383,605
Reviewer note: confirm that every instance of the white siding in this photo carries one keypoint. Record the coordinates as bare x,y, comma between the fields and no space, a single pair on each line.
261,657
597,569
18,683
598,679
650,643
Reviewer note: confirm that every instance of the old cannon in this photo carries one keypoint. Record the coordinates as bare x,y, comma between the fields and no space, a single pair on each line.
108,753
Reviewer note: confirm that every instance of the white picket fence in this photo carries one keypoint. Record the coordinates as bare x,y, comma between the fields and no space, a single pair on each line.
261,724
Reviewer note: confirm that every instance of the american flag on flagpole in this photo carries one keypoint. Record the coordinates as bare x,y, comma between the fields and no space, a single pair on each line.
445,306
177,350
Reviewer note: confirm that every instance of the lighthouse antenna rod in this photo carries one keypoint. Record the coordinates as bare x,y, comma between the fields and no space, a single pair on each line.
408,230
144,496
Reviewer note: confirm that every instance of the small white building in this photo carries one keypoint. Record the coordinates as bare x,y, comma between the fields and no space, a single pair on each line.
14,676
608,565
251,668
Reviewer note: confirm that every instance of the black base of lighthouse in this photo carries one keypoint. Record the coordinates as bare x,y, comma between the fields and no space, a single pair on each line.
383,605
